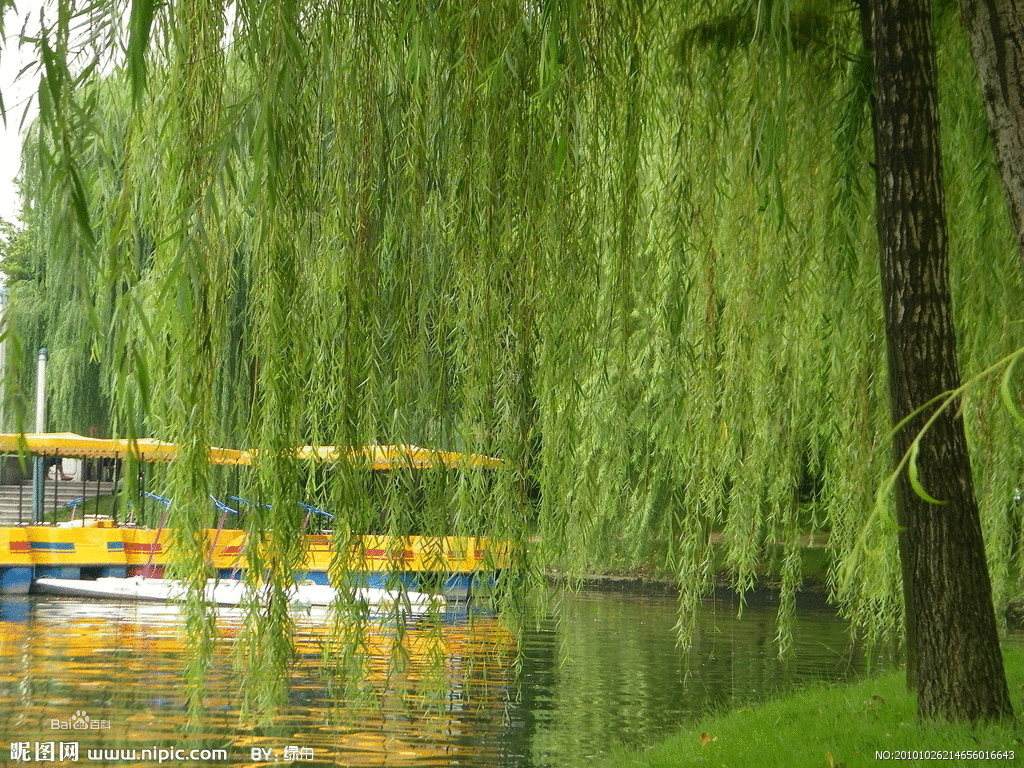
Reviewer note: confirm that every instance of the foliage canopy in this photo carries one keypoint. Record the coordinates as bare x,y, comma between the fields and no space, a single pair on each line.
627,247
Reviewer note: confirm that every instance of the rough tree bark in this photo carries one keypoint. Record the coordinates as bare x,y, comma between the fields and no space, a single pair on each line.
954,661
995,29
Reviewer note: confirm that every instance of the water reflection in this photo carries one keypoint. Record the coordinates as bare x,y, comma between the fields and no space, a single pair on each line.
610,672
597,671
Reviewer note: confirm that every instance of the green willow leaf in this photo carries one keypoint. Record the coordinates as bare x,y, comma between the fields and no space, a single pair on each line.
1006,389
140,25
913,474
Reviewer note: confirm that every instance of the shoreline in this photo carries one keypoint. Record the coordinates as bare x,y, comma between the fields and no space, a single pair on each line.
842,724
813,592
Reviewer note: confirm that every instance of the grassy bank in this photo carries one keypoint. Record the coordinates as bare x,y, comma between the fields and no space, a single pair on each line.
837,725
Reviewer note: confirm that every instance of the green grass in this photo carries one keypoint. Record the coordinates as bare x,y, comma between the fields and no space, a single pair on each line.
829,726
102,505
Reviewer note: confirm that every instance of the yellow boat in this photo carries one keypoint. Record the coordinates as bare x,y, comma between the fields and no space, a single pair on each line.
456,567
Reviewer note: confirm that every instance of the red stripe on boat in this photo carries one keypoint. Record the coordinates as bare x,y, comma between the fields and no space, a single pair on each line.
407,554
143,547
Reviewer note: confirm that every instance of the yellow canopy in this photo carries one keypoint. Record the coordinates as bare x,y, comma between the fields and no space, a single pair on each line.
76,446
147,449
397,456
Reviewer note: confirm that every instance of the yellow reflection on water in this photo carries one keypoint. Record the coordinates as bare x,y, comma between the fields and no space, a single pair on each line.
107,676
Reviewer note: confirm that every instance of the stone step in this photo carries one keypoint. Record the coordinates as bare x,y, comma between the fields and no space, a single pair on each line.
16,499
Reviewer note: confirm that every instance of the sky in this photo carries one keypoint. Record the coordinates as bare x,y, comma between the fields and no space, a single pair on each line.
15,95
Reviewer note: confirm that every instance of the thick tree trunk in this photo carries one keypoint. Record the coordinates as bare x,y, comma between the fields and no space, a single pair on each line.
954,660
996,31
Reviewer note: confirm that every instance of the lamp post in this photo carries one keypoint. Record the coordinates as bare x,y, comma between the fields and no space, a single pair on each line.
37,463
3,352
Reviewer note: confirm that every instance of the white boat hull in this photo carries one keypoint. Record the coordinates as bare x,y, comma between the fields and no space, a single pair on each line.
227,592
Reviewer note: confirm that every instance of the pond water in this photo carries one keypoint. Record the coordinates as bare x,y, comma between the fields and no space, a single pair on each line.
597,670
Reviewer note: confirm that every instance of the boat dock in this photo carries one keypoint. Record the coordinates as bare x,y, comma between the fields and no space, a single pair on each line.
74,546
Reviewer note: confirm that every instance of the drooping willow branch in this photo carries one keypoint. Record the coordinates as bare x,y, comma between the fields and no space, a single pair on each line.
627,248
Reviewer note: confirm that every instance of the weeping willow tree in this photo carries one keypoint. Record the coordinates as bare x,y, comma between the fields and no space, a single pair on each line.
628,248
996,33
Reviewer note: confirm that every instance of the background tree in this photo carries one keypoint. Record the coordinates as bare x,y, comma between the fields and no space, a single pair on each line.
996,33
